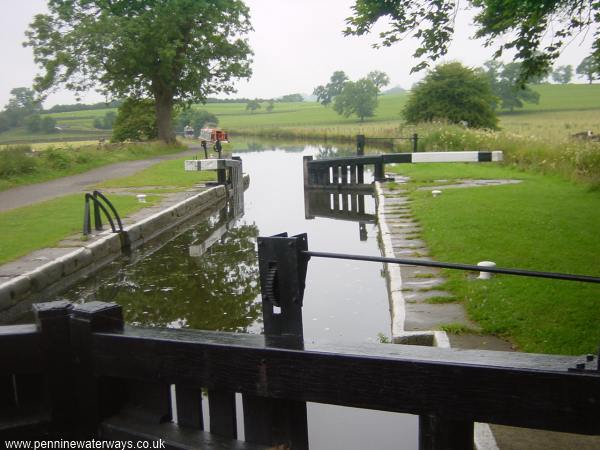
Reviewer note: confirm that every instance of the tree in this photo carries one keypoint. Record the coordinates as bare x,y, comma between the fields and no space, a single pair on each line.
136,121
358,98
504,82
379,79
454,93
106,122
23,103
175,52
33,123
291,98
563,74
589,68
270,106
48,125
535,31
252,106
326,93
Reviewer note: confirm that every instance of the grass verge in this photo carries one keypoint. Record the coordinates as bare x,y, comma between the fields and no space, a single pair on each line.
168,175
543,223
19,165
47,223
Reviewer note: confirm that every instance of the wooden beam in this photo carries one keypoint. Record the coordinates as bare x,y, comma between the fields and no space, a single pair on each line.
515,389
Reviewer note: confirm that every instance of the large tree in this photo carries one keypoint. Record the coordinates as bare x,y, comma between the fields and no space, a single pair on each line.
453,93
175,52
359,98
563,74
22,104
589,68
503,80
536,30
326,93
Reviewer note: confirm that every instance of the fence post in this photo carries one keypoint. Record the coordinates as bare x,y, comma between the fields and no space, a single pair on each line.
437,433
415,141
52,320
86,319
360,144
282,273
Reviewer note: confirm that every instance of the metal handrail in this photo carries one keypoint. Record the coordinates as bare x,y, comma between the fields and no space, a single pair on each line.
456,266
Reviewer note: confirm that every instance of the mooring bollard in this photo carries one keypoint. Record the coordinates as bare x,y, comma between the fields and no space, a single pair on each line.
485,275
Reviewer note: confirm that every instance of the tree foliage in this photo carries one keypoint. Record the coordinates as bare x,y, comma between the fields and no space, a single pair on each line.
453,93
291,98
359,98
135,121
175,52
589,68
106,122
379,79
503,80
562,74
537,31
326,93
252,106
22,104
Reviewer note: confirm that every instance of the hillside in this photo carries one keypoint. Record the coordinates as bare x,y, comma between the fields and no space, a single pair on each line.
561,104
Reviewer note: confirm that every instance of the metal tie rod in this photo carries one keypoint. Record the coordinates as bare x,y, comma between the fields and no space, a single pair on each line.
417,262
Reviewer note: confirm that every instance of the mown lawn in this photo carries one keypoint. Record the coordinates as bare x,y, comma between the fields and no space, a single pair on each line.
44,224
166,175
544,224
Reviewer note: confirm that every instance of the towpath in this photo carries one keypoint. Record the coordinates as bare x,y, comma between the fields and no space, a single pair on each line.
34,193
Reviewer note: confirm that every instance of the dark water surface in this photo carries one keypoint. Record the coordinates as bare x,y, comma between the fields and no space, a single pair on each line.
207,278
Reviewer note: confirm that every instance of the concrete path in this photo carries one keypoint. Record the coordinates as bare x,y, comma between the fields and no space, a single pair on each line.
34,193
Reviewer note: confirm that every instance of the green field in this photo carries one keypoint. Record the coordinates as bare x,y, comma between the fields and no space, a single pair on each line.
45,224
543,223
562,106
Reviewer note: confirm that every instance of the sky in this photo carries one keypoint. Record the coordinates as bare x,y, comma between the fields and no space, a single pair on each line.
297,45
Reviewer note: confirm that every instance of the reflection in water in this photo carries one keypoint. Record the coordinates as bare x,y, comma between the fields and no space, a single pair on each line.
207,278
211,288
340,204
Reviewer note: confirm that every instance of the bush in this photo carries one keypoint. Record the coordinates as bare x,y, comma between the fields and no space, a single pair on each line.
33,124
56,158
136,121
106,122
48,125
17,160
453,93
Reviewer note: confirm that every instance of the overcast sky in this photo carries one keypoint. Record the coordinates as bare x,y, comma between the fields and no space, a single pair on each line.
297,45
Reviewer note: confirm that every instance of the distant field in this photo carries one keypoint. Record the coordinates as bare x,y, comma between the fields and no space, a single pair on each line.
563,109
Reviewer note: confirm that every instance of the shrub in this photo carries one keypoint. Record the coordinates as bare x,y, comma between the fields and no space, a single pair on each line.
453,93
56,158
17,160
136,121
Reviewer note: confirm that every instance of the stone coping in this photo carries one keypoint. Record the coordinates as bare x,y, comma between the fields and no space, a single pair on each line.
49,269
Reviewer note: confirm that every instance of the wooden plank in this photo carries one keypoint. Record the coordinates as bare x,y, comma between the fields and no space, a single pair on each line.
174,437
445,433
221,407
526,390
189,407
20,350
53,323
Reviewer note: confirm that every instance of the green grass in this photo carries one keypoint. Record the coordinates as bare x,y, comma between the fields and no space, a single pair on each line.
55,162
47,223
544,223
169,175
457,328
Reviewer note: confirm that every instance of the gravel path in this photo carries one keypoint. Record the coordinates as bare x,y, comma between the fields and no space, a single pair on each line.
33,193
